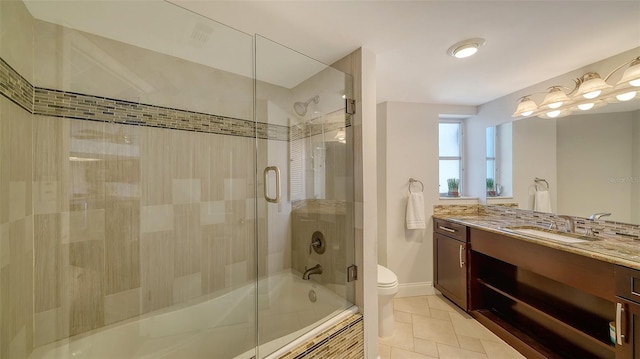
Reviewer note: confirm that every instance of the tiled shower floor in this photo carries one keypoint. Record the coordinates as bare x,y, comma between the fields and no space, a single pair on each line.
432,327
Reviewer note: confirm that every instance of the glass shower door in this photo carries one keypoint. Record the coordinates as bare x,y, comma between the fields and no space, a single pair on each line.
127,224
305,202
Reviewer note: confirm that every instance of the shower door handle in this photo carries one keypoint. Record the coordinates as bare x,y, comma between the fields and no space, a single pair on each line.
276,171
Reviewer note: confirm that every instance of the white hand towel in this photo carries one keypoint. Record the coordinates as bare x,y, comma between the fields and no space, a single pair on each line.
415,211
542,202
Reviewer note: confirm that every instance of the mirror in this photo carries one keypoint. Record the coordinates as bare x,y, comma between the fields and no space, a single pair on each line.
595,166
498,161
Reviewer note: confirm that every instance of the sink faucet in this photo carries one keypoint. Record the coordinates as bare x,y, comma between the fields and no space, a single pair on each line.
597,216
570,227
317,269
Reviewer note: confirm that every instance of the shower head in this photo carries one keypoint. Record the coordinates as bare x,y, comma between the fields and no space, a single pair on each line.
301,107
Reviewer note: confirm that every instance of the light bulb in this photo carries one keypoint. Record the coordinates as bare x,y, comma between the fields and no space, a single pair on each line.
465,51
555,104
592,94
527,113
553,113
626,96
586,106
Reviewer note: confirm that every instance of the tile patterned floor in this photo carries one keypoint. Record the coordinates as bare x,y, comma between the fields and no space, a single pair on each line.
432,327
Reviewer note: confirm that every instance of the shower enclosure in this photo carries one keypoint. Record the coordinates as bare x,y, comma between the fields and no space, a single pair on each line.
164,183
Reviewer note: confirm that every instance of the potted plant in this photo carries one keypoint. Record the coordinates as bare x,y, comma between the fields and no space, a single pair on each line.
490,187
453,184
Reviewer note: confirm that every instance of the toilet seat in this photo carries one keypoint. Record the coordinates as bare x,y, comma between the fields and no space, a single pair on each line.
386,278
387,288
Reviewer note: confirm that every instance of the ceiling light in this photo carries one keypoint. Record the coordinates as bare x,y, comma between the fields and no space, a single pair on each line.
632,74
592,85
466,48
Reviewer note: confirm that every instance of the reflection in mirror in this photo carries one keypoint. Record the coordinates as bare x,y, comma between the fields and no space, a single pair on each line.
498,160
322,151
597,163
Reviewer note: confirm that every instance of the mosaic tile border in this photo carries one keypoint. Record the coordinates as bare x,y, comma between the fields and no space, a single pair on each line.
15,87
73,105
311,129
319,206
344,340
609,229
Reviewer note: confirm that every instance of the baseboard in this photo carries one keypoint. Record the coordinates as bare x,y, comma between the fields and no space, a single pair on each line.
415,289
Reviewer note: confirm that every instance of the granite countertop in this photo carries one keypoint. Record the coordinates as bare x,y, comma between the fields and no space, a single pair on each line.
624,252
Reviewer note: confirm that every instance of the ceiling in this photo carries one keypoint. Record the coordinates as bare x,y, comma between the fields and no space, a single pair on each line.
526,41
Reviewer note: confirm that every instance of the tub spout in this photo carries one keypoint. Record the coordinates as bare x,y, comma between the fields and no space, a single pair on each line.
317,269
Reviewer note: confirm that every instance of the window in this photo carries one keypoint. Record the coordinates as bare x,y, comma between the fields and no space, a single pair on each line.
450,151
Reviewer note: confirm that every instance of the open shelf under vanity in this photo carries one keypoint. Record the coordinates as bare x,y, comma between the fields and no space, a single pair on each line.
542,317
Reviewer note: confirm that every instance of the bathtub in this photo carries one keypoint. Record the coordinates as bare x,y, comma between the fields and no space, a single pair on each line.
290,311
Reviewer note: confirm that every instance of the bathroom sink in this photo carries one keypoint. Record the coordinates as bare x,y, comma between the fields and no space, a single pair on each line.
549,234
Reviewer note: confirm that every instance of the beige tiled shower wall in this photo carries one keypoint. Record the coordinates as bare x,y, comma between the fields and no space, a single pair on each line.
16,210
148,219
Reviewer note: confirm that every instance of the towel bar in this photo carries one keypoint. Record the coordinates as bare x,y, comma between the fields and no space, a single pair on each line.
412,181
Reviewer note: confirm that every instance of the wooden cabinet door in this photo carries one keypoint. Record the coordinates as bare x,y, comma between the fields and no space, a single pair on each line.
451,269
631,330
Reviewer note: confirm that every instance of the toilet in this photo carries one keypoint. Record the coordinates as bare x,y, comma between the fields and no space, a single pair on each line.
387,289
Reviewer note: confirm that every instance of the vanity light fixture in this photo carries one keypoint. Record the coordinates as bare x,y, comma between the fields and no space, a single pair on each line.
632,74
466,48
592,85
555,98
590,92
626,96
525,107
586,106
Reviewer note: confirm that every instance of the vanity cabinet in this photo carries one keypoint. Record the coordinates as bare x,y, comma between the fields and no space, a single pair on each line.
627,313
450,264
545,302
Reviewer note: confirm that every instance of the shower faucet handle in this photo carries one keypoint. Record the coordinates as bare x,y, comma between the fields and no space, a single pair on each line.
318,243
314,244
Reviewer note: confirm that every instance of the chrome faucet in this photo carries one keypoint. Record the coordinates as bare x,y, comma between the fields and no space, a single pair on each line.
570,226
317,269
597,216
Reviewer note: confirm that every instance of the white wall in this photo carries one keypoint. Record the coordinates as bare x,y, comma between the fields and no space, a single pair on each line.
409,132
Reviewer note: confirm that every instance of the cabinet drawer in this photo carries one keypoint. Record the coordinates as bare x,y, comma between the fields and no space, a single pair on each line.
454,230
628,283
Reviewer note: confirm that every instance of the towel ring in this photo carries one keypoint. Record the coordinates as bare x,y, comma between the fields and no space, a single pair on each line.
539,180
412,181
